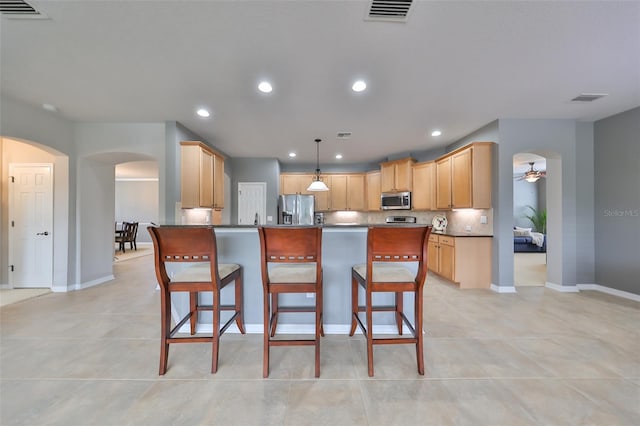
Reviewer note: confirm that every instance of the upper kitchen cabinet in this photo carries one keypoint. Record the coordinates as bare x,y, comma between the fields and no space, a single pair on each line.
463,178
396,176
295,183
202,176
424,186
373,191
346,192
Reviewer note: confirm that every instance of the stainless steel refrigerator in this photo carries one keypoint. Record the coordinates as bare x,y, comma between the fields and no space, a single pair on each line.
296,209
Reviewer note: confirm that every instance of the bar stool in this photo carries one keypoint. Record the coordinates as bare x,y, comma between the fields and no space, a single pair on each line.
291,260
386,248
194,245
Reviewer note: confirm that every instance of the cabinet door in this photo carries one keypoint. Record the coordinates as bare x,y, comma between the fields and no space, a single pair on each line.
461,180
206,179
447,259
218,182
424,184
322,197
373,191
356,199
338,192
190,176
432,255
387,177
403,176
443,183
289,184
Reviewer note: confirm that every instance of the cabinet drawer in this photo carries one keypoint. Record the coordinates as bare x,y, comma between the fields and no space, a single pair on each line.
433,238
448,241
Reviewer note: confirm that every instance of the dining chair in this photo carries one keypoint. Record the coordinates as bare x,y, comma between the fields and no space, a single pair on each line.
196,249
291,262
389,252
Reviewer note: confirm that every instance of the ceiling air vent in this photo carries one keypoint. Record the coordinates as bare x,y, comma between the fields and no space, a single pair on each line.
588,97
343,135
18,9
389,10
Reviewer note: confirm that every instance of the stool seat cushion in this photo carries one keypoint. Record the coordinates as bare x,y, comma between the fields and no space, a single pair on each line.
293,273
201,272
386,273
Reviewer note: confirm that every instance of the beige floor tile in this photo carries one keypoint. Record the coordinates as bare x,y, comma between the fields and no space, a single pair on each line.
325,402
534,357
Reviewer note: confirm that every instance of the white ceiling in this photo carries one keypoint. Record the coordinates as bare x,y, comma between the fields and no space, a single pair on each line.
455,66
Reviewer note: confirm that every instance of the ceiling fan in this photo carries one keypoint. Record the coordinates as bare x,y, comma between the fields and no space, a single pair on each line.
532,175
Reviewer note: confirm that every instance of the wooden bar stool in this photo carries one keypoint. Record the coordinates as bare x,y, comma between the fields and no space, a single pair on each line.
291,260
194,245
386,248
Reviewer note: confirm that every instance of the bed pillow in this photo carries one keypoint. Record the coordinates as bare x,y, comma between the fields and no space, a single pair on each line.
521,232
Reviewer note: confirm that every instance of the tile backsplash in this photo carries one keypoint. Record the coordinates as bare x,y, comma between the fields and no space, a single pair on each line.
460,221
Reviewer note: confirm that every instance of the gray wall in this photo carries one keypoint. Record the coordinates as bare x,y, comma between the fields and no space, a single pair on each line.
617,201
55,135
255,170
565,144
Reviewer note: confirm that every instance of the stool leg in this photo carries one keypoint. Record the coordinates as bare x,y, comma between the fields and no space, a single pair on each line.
274,313
369,333
354,305
418,328
239,302
193,306
265,337
399,307
318,328
216,331
165,329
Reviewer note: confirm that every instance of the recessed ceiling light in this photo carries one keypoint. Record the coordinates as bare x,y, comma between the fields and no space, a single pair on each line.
203,113
292,154
359,86
265,87
339,156
50,107
436,133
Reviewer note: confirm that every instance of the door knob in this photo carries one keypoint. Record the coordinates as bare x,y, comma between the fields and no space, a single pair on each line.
45,233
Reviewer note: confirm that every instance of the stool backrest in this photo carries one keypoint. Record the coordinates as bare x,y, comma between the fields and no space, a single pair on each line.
399,244
287,244
184,244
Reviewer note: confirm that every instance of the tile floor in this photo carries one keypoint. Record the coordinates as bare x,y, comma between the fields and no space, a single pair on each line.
537,357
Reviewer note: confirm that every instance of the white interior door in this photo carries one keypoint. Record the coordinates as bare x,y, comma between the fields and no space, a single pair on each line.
252,203
31,225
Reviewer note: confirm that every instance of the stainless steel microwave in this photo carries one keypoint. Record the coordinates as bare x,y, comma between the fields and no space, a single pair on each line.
395,201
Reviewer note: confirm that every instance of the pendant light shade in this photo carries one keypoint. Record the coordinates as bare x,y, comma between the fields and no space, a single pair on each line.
317,184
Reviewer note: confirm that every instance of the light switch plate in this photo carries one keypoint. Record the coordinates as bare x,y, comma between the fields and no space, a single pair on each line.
467,228
483,220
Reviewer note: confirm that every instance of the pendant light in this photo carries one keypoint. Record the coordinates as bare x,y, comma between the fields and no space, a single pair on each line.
317,184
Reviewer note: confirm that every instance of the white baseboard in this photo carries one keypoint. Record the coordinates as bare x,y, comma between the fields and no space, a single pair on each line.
562,288
503,288
82,286
5,287
609,290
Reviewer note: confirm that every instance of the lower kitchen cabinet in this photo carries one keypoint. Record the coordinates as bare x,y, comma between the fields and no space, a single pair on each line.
465,261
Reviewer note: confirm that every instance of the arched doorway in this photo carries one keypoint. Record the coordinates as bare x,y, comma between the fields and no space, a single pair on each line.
19,153
529,214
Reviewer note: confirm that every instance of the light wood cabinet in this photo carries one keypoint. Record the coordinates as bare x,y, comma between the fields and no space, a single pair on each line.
424,186
463,178
373,191
338,192
346,191
295,183
202,176
465,261
396,176
356,193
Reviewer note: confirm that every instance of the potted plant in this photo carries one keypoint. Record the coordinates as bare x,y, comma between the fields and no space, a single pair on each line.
538,218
